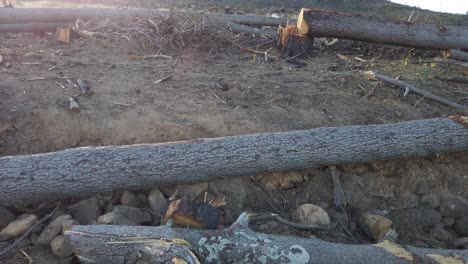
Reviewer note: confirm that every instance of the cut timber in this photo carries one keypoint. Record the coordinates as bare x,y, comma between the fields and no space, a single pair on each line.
31,27
47,15
317,23
236,244
293,44
89,170
456,55
237,28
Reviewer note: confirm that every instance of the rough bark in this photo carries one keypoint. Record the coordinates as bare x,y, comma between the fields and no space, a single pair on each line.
237,244
317,23
237,28
31,27
88,170
48,15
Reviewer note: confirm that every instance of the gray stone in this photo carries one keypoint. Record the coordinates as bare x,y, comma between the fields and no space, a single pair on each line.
461,226
52,230
431,200
137,215
87,211
115,219
67,224
423,216
6,217
440,233
60,247
129,199
234,193
17,227
453,205
420,187
448,221
158,205
311,214
408,200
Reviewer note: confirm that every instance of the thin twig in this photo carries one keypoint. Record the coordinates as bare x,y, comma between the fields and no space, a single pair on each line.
14,244
27,256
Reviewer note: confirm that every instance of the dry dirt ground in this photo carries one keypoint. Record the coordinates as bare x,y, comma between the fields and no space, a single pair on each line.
126,107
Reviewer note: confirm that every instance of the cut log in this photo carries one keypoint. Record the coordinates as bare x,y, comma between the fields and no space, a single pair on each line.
48,15
456,55
293,44
236,244
317,23
89,170
31,27
237,28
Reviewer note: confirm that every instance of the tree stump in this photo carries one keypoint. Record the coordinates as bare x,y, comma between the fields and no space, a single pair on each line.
294,44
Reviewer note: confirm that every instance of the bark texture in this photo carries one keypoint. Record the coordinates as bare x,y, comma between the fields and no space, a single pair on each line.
48,15
237,244
88,170
317,23
31,27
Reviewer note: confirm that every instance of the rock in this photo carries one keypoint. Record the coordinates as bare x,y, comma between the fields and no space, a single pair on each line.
423,216
6,217
189,191
420,187
234,193
17,227
129,199
311,214
281,180
461,225
115,219
158,205
453,205
60,247
87,211
52,230
137,215
439,233
408,200
431,200
448,221
67,224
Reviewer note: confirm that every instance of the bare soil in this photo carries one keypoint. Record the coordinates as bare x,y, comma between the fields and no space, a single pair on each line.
126,107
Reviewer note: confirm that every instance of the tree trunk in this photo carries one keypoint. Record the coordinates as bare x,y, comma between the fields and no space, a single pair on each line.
317,23
31,27
456,55
48,15
88,170
236,244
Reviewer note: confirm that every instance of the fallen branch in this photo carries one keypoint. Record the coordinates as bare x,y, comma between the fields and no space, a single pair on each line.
236,244
318,23
452,79
83,171
411,88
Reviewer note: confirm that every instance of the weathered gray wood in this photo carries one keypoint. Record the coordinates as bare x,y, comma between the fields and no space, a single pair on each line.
31,27
416,90
317,23
458,55
88,170
237,244
48,15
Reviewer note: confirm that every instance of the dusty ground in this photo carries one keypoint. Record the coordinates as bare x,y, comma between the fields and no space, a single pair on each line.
125,107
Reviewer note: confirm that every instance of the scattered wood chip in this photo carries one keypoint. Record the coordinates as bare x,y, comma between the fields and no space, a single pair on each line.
342,57
1,59
122,104
74,107
36,79
31,63
163,79
359,59
192,213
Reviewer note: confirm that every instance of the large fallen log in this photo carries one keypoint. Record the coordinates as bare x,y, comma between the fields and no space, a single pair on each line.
49,15
318,23
31,27
88,170
236,244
